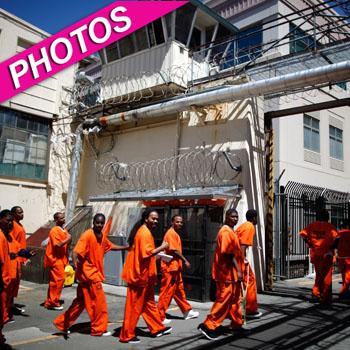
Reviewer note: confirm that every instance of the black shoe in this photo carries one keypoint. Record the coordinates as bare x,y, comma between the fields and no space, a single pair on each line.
134,340
165,331
209,334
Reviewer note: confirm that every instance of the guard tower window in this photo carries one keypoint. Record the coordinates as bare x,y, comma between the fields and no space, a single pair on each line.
184,18
155,33
196,38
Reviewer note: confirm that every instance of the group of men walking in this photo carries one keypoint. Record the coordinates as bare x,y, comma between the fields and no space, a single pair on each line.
140,275
231,271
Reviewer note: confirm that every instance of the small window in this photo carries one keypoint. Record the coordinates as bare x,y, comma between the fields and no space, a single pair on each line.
23,145
183,23
112,52
335,142
23,44
300,40
155,33
311,133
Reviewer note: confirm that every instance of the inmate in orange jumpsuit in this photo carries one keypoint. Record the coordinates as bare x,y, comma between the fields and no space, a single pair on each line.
320,236
5,275
246,233
172,285
19,234
140,273
56,259
344,259
15,268
90,275
227,303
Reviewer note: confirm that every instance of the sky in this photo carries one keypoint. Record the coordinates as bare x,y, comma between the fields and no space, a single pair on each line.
53,16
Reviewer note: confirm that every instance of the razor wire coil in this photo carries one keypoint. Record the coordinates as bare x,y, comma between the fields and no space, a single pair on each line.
198,168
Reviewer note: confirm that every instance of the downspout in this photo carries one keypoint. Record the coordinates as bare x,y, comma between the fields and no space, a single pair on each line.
325,74
74,174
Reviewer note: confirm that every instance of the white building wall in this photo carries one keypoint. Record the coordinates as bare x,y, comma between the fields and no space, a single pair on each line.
39,199
240,128
289,153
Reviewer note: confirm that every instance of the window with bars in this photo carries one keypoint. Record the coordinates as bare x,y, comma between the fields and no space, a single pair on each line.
311,133
23,145
335,142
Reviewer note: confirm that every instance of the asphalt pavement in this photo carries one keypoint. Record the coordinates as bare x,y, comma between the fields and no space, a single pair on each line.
289,321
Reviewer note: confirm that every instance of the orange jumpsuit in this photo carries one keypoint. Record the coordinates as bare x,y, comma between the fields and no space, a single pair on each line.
172,285
320,236
15,268
56,259
227,302
19,234
140,273
246,233
344,259
5,275
90,275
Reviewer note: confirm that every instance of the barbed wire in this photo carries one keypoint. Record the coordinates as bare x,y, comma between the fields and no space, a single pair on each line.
123,89
191,169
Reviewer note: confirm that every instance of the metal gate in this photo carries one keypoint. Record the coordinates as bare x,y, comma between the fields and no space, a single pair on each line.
292,214
198,244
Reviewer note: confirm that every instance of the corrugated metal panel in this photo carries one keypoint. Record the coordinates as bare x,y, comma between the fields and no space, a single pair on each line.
183,193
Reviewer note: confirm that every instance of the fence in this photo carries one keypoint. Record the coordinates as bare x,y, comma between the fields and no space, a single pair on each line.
292,214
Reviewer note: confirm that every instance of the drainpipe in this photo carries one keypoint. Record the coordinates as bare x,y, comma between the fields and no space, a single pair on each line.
74,174
309,77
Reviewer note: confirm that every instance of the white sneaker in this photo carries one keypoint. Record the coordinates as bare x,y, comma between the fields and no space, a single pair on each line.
56,308
166,321
190,314
106,334
255,315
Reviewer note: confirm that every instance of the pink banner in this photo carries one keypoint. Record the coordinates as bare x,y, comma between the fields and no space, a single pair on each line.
80,40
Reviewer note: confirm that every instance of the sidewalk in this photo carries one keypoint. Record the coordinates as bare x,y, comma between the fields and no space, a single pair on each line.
289,322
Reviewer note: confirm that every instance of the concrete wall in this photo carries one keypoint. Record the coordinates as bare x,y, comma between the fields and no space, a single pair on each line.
46,99
239,128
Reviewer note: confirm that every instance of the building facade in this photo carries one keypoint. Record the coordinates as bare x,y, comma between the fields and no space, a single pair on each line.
311,159
26,124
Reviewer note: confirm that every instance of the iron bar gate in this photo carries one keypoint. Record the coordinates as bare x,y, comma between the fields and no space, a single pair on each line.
291,215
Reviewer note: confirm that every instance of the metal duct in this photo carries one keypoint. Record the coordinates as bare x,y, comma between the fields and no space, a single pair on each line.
330,73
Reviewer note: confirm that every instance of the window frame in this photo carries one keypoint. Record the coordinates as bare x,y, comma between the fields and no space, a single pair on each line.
313,131
338,141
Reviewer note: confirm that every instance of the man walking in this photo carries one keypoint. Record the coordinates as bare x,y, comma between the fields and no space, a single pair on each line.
88,256
56,259
140,273
320,236
172,285
5,226
246,233
227,274
343,245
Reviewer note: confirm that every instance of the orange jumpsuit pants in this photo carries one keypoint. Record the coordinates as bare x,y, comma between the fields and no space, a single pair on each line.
4,305
56,281
322,288
91,297
140,302
344,267
252,303
227,304
172,286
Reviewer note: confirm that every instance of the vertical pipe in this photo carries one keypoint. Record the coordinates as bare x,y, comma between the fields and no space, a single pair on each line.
74,174
269,204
